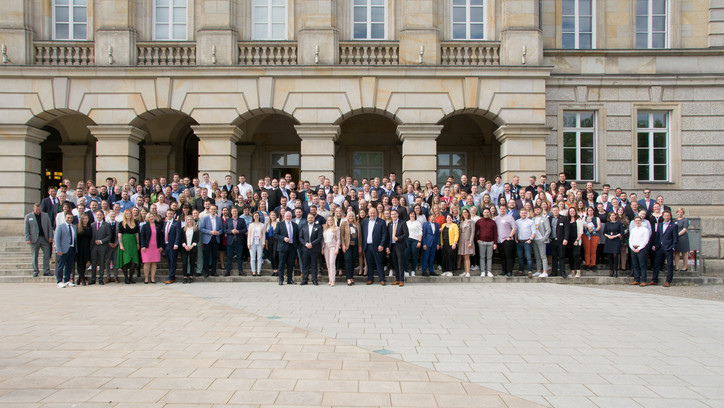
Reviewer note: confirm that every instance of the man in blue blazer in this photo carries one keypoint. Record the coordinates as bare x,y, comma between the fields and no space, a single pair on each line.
211,228
666,236
66,238
374,239
430,242
287,236
171,241
310,244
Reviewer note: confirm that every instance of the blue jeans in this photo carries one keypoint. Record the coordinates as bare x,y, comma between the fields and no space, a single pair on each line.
235,248
411,249
525,248
428,259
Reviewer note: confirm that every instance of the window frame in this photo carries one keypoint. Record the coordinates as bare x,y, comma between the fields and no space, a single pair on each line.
170,23
651,149
71,21
578,130
438,167
576,25
650,25
368,22
269,23
468,21
368,168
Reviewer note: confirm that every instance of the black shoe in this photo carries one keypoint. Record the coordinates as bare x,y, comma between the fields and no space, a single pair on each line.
564,276
186,280
227,273
92,282
127,281
206,275
303,283
100,282
214,275
291,283
510,275
433,274
425,274
281,283
315,283
242,273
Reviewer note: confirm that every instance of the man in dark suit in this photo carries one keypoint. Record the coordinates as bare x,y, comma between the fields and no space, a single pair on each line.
665,238
234,228
647,203
401,211
171,242
396,245
211,228
310,243
101,237
51,205
559,232
39,235
374,239
287,235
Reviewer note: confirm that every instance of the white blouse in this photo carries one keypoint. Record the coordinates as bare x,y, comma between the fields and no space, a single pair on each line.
190,237
414,228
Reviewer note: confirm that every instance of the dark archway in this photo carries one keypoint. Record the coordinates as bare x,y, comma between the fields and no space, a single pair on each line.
190,155
368,146
466,145
51,159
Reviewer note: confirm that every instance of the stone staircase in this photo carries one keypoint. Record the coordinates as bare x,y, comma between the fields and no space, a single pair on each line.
16,267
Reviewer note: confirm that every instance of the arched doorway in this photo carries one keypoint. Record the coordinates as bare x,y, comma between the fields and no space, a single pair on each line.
368,147
466,145
51,160
271,146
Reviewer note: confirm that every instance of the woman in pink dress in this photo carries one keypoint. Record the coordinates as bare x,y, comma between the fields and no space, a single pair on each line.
151,244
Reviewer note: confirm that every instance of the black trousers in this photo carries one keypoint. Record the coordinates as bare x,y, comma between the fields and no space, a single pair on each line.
507,255
558,255
350,258
188,261
286,261
211,251
397,253
309,264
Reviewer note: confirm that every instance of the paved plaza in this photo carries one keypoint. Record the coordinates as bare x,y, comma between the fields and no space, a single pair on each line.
446,345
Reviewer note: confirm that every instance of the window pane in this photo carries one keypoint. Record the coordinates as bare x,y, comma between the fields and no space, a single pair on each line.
569,156
179,15
181,3
458,160
442,175
659,23
459,14
61,2
569,24
359,159
360,2
659,6
585,41
378,2
459,32
476,14
642,7
280,3
279,31
586,139
584,7
643,156
80,2
80,15
260,32
660,140
79,31
62,31
660,120
278,14
584,24
457,173
642,41
569,139
570,171
643,139
162,15
569,41
162,32
476,2
659,156
293,159
476,32
569,119
660,173
587,156
568,7
443,159
179,31
458,2
642,24
587,172
277,159
360,14
643,173
261,15
642,120
378,31
658,41
161,3
62,14
378,14
360,31
375,159
587,120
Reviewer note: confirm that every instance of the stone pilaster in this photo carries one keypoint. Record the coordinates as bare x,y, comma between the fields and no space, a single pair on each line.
418,33
243,160
15,35
74,161
115,34
521,40
317,150
157,156
419,151
217,150
215,39
317,32
20,174
117,151
522,150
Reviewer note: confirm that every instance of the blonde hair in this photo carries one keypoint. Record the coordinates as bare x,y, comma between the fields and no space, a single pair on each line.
126,224
334,224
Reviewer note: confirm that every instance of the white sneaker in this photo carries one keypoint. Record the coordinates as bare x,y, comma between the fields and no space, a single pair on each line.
474,268
69,284
89,268
537,274
467,275
392,271
439,268
482,274
267,261
407,274
413,274
356,268
61,285
543,275
386,268
489,274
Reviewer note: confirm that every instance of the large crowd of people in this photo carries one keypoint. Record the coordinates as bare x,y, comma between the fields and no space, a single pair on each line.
376,227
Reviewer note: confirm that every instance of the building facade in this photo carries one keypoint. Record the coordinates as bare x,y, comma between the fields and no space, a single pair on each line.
625,92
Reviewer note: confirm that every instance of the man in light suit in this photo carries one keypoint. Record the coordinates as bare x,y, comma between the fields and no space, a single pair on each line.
171,242
374,239
39,235
396,245
665,238
287,235
65,239
101,237
310,243
211,229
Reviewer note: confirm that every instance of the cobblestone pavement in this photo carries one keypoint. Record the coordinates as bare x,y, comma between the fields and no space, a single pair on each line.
149,346
556,345
708,292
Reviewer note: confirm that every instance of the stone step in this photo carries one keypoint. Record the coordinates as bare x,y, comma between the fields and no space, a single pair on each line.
590,280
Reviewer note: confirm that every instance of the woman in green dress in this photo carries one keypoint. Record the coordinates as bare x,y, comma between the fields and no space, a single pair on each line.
128,246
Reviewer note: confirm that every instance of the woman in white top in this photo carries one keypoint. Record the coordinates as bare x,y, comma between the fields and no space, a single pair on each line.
255,241
414,239
330,247
638,240
189,248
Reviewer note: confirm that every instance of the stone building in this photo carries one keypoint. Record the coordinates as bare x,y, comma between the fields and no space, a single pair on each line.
625,92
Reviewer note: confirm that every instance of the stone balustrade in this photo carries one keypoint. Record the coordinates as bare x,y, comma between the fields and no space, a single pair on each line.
265,53
64,53
166,54
369,53
470,53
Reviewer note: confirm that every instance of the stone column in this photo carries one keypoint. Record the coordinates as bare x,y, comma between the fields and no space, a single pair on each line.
418,30
317,32
157,159
244,152
215,39
521,41
117,151
522,150
74,161
317,151
419,151
115,33
217,150
20,174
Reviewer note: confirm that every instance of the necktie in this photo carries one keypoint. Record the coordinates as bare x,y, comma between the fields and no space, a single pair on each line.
394,229
290,232
168,227
70,231
98,227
